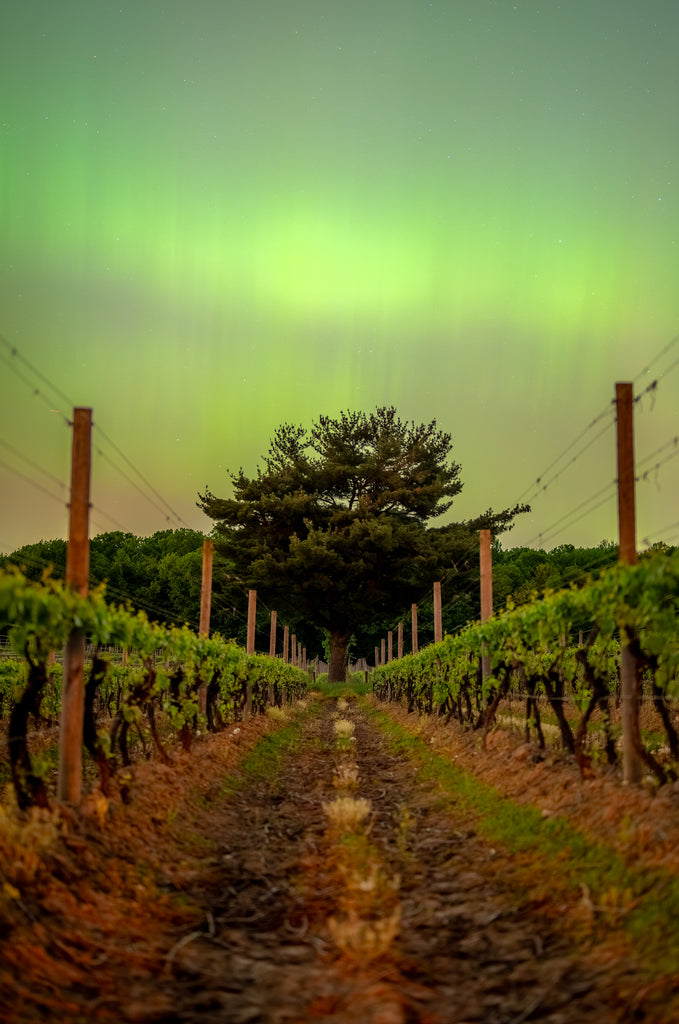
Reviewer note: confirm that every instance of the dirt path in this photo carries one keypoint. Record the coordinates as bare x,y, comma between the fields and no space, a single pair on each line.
326,882
299,930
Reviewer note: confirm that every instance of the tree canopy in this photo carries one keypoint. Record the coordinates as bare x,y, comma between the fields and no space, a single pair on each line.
333,528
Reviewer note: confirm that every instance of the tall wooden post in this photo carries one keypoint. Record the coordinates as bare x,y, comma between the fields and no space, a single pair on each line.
205,608
486,567
399,641
272,652
206,588
250,648
486,571
413,616
252,619
272,635
390,646
626,493
383,659
629,677
286,644
377,657
438,624
77,576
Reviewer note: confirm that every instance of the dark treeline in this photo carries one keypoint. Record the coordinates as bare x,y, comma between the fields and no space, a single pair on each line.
161,575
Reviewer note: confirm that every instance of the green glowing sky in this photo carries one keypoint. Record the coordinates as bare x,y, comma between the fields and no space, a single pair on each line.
221,215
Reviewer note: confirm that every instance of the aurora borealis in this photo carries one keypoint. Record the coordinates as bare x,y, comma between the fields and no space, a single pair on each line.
223,215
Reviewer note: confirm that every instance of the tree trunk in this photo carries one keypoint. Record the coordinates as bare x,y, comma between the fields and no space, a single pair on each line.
337,669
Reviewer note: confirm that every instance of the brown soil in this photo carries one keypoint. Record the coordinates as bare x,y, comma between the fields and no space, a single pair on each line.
189,902
639,822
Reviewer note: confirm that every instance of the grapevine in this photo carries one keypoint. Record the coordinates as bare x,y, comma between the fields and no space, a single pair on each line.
167,670
532,653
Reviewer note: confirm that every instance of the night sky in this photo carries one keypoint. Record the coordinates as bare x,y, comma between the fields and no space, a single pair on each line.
223,215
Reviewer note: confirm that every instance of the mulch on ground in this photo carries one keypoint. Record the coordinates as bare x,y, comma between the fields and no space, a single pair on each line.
639,822
196,902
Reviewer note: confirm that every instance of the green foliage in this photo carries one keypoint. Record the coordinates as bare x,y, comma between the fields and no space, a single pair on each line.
523,574
160,575
355,686
333,530
576,860
166,669
531,650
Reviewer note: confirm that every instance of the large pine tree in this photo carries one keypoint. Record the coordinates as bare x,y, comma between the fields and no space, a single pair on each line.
332,529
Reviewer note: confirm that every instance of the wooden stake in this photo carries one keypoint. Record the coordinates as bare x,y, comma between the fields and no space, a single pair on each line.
294,648
250,648
390,646
626,494
413,616
205,607
286,644
629,677
399,641
272,651
486,568
272,635
77,576
377,657
206,588
252,618
438,625
382,652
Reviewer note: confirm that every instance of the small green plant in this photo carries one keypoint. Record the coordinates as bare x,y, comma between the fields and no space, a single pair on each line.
646,900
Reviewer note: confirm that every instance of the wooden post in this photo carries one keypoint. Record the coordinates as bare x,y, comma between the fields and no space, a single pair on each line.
399,641
77,576
250,648
629,677
413,616
485,560
272,635
252,618
438,626
626,496
272,653
78,550
486,570
205,608
206,588
390,646
377,657
294,648
286,644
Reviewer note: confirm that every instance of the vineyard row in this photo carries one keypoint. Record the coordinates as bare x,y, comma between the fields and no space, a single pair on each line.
191,681
529,653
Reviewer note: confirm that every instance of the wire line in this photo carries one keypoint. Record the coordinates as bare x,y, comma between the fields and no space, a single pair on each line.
30,462
32,482
141,476
660,354
608,411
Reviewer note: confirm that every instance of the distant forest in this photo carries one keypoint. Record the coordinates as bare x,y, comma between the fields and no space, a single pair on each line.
161,575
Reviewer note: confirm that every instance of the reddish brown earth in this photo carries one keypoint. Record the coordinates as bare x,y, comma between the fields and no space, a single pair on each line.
196,903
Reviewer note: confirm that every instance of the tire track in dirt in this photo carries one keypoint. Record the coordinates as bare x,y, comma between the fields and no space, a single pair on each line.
471,945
